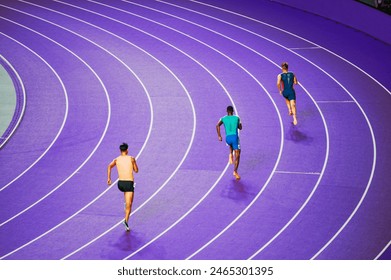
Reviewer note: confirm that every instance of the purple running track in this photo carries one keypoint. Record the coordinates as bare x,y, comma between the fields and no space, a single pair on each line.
159,75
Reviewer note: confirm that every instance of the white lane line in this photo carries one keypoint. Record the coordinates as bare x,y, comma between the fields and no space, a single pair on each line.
336,101
111,54
305,48
363,112
63,121
23,100
297,172
382,251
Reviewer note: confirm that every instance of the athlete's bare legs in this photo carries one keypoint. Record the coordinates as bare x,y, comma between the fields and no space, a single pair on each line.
128,205
231,156
294,111
288,104
236,166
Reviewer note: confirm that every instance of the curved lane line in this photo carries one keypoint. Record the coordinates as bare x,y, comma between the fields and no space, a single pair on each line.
382,251
63,122
363,112
105,50
24,97
111,54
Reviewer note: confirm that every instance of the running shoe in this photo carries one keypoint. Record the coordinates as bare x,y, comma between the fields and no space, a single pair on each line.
126,225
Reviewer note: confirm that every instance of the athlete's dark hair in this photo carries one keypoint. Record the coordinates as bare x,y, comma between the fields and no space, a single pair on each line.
230,109
123,147
284,65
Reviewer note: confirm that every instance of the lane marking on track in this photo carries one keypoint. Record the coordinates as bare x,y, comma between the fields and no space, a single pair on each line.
297,172
336,101
305,48
383,251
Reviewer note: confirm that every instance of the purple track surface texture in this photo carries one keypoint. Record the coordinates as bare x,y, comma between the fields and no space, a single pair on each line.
159,75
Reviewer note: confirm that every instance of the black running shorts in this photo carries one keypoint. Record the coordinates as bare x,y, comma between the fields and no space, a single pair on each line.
126,186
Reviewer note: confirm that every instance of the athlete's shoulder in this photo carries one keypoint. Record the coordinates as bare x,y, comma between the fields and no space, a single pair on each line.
224,118
122,157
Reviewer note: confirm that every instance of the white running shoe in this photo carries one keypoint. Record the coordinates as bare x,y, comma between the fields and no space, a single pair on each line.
126,225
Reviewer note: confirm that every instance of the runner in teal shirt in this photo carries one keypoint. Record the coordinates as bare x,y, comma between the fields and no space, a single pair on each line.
232,125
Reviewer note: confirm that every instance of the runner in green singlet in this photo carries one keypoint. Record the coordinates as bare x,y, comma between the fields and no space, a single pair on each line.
232,125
